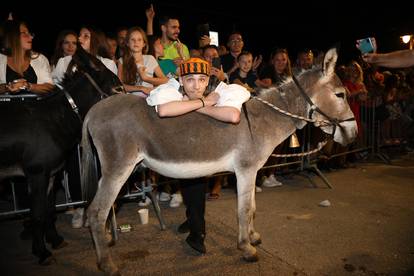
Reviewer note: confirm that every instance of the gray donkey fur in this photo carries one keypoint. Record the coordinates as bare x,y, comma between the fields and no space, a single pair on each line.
126,132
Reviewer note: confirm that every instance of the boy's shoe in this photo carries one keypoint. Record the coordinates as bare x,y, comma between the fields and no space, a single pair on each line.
184,227
196,242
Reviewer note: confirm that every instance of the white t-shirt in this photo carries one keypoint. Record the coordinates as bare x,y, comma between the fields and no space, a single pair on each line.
39,63
233,95
150,64
62,65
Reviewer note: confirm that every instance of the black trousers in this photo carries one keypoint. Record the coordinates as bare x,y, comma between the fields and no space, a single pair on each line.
193,192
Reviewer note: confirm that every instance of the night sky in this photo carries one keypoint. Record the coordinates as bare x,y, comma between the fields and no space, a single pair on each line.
264,27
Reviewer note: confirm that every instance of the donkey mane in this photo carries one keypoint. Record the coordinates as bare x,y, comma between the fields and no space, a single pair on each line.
287,96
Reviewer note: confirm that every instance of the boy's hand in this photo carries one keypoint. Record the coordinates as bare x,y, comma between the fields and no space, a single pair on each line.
211,99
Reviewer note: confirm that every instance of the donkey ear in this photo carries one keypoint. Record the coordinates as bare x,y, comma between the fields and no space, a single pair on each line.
329,62
80,57
86,61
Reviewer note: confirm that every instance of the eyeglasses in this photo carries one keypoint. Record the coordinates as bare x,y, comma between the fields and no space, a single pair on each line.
234,41
27,34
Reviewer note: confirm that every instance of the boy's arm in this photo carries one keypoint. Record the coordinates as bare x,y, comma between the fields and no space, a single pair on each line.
226,114
176,108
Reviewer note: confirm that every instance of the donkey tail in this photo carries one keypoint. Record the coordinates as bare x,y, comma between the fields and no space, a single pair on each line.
89,172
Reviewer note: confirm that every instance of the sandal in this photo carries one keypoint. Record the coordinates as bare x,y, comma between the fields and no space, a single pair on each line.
213,196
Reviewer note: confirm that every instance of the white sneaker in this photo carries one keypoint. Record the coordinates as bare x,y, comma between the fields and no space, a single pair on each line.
176,200
78,218
144,203
271,182
258,189
163,197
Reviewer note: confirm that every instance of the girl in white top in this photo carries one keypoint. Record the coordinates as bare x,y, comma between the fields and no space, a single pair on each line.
138,71
21,68
92,41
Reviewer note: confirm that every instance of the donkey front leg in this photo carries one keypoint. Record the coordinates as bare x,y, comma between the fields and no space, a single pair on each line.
254,236
246,209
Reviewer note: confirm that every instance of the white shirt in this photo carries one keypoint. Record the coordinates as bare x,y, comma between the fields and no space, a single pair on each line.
233,95
150,64
39,63
62,65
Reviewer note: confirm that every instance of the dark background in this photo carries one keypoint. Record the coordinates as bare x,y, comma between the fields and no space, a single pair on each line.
265,25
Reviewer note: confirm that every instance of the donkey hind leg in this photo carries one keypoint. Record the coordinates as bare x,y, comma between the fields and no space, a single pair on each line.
38,197
245,199
109,186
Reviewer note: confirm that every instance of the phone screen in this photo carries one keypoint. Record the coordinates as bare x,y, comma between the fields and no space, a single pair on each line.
214,38
366,46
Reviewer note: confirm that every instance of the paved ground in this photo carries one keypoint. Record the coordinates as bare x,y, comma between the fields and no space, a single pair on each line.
368,230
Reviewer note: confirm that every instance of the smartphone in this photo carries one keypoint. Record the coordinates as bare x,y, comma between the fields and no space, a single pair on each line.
216,62
366,45
203,29
214,38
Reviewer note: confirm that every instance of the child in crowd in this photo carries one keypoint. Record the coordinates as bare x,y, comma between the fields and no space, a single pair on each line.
245,75
138,71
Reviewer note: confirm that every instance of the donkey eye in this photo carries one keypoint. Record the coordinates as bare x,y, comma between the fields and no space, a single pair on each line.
340,95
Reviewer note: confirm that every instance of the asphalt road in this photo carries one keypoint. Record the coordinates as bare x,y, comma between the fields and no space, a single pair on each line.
367,230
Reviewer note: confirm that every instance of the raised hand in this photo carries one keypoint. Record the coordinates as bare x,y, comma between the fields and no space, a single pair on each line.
204,41
257,61
150,13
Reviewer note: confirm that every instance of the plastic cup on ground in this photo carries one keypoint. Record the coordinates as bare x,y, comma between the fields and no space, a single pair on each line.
143,215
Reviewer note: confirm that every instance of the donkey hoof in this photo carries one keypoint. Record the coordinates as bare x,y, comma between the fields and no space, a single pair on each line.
47,260
111,243
256,242
109,268
60,245
251,258
112,273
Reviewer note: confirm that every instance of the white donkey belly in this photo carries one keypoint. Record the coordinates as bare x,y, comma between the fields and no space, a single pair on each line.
190,169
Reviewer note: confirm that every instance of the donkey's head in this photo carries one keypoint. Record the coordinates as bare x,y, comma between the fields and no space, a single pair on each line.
88,80
328,96
85,65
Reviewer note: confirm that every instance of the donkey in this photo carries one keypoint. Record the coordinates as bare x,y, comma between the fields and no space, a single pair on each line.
37,134
126,131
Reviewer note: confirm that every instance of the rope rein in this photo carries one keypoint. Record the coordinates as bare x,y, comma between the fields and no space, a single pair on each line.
320,146
316,122
287,113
